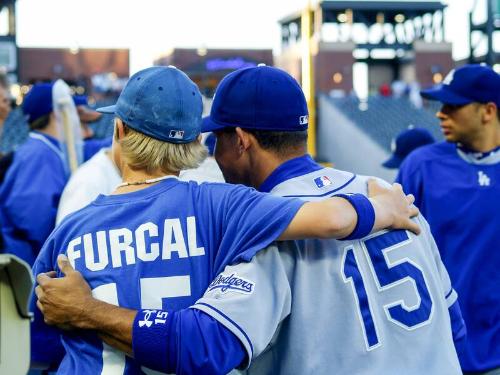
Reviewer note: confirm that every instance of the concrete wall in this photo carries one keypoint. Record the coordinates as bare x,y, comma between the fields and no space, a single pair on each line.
334,58
346,146
431,58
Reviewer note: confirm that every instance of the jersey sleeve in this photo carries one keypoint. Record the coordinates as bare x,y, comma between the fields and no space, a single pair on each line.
31,204
187,341
46,347
248,221
409,176
251,299
457,322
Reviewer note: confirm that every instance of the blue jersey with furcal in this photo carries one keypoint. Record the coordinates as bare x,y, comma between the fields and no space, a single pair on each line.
458,192
157,248
30,194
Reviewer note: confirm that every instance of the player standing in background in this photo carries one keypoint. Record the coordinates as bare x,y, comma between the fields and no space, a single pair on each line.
457,187
330,304
34,181
158,242
87,116
5,107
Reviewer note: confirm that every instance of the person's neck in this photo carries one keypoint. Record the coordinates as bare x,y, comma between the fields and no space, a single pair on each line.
138,178
50,130
263,163
486,141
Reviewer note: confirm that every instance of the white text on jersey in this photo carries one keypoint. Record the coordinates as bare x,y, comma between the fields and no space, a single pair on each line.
121,240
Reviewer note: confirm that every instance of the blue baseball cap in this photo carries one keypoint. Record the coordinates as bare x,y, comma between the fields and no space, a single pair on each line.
467,84
407,141
38,101
260,98
161,102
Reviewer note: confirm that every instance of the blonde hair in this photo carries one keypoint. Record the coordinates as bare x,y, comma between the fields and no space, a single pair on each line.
142,152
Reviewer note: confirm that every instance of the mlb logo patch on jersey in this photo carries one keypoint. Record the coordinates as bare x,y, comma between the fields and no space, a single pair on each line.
322,181
303,120
176,134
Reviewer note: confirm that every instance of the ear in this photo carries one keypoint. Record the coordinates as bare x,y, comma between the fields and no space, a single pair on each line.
490,112
119,129
245,140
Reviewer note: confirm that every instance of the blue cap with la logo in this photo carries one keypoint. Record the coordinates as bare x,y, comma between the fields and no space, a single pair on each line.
468,84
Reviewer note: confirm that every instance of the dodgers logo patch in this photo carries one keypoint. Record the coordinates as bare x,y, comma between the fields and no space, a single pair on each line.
322,181
232,283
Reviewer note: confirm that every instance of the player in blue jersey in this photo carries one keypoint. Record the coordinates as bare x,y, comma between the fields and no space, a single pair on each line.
457,187
34,181
157,243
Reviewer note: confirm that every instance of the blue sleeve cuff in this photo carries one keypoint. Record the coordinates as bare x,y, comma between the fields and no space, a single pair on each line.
366,215
184,342
458,327
150,339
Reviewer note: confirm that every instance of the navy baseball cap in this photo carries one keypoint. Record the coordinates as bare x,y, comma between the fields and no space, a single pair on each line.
161,102
407,141
38,101
467,84
260,98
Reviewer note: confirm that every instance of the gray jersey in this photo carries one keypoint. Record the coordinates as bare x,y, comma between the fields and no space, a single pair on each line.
372,306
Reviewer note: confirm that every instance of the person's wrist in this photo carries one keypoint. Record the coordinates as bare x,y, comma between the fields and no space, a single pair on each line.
383,219
365,215
88,314
150,339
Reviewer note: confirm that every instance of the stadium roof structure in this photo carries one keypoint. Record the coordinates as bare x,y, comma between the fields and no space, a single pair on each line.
401,22
487,31
369,9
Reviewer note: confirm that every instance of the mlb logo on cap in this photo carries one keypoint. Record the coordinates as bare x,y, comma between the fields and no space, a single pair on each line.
176,134
322,181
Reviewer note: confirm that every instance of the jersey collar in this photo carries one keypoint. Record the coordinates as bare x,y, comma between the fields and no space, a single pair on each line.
483,158
289,169
49,138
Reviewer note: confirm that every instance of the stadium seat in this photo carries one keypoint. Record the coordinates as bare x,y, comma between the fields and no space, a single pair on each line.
16,282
